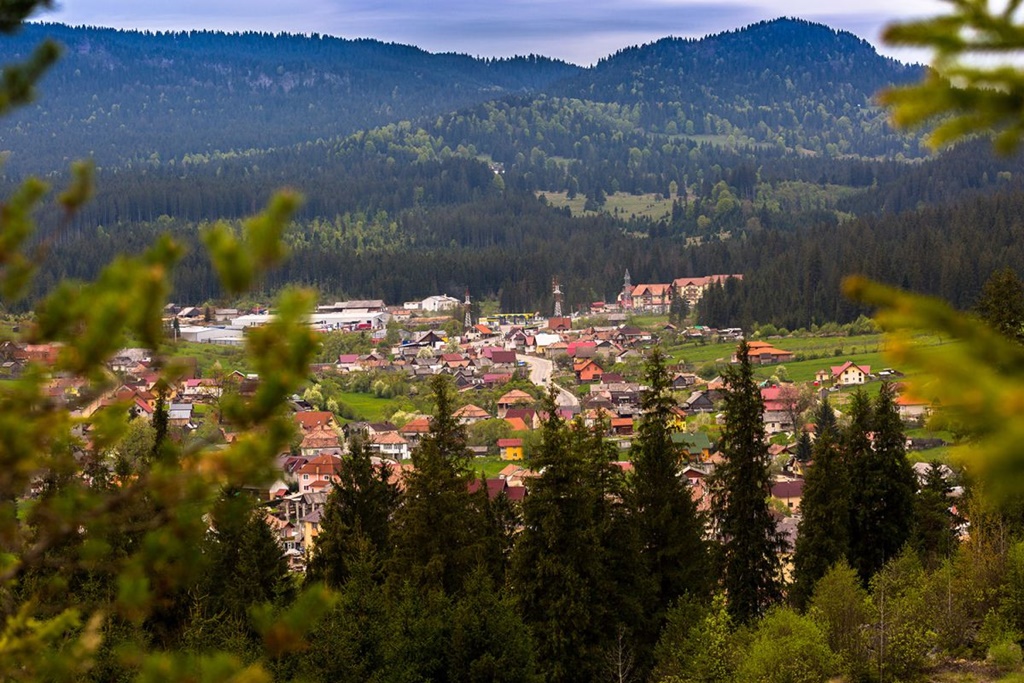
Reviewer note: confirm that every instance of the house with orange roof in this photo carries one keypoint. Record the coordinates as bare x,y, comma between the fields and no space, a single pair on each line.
517,424
414,430
530,417
470,414
850,374
622,426
318,441
391,445
587,370
763,353
307,420
516,475
513,398
912,408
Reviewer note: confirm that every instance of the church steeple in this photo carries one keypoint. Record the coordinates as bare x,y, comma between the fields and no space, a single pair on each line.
626,297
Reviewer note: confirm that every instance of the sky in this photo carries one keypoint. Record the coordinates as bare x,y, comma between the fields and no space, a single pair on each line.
578,31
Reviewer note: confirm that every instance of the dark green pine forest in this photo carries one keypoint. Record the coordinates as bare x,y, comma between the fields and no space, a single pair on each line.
763,150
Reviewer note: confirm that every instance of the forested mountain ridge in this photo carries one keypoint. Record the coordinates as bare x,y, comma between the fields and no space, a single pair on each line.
787,82
123,95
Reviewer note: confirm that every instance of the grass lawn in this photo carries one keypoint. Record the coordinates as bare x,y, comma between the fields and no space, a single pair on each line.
207,355
490,465
366,406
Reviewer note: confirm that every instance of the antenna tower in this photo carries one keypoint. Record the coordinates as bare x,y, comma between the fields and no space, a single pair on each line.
557,291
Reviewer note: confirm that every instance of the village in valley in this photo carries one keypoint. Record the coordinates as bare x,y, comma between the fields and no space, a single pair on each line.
503,367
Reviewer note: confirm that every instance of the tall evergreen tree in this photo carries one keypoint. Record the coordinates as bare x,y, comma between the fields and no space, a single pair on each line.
1001,304
489,642
751,569
935,535
356,518
563,574
440,529
247,565
823,537
883,499
804,447
671,531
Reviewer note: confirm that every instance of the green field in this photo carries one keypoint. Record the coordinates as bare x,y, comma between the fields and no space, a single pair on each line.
207,356
654,206
812,354
366,406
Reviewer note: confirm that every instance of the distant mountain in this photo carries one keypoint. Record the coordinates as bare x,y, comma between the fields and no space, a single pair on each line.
787,82
129,95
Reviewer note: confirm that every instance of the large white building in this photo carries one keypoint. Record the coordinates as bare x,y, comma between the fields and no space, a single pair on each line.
325,322
433,303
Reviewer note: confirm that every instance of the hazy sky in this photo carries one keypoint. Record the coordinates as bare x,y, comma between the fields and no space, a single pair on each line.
580,31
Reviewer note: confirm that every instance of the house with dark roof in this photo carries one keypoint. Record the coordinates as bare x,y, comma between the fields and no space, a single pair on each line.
790,492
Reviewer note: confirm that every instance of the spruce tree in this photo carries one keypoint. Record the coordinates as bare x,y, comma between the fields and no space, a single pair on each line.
671,531
935,535
804,448
440,530
750,542
1001,304
246,563
564,570
356,518
883,498
823,536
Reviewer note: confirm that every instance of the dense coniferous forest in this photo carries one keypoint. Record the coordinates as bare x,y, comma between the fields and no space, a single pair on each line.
122,96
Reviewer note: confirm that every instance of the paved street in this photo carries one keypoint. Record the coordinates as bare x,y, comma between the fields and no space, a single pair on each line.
541,370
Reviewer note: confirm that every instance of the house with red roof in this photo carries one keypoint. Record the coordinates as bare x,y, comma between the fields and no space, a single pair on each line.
850,374
307,420
320,440
581,348
652,298
510,449
790,492
319,473
498,486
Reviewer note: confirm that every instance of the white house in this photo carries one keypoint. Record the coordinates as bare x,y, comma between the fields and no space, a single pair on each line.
433,303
